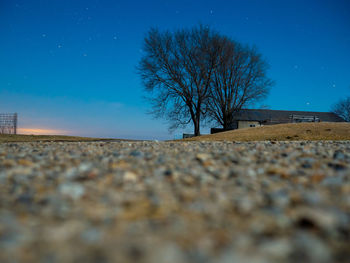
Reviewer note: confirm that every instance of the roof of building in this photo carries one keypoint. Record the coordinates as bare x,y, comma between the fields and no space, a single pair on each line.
283,115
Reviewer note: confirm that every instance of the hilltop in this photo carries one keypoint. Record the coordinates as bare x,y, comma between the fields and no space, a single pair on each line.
284,132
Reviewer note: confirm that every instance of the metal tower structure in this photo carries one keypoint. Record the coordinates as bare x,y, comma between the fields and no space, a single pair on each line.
8,123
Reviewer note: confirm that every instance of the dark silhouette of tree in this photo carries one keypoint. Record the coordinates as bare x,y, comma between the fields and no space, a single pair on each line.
176,70
239,80
198,74
342,109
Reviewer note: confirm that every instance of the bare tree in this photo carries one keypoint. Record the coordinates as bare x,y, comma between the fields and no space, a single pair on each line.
176,71
342,109
238,80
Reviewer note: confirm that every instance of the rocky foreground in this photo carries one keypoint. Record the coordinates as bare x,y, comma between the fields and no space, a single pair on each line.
175,202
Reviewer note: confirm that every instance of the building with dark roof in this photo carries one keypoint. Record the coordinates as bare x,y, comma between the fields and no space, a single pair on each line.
246,118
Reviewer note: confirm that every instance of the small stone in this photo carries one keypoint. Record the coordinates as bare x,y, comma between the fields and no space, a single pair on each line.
277,249
315,218
251,173
317,177
307,162
168,173
188,180
309,248
136,154
167,253
333,181
130,176
8,163
84,167
202,157
337,166
91,235
25,199
72,190
25,162
338,155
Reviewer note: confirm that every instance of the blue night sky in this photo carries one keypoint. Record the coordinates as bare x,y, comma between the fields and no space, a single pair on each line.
69,66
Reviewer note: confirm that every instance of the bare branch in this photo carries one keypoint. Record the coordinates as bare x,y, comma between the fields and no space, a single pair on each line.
342,109
239,79
176,71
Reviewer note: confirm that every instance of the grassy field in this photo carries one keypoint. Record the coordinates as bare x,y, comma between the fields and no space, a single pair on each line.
280,132
35,138
284,132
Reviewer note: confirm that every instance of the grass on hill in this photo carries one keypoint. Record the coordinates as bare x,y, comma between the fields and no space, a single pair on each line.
284,132
36,138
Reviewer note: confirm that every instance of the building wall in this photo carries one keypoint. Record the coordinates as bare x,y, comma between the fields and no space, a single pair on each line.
248,124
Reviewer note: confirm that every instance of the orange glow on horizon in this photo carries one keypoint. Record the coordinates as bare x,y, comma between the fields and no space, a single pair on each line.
40,131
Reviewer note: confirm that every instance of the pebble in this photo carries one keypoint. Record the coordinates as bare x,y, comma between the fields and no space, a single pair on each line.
73,190
130,176
175,202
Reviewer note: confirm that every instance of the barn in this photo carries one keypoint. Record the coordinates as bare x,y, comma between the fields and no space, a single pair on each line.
247,118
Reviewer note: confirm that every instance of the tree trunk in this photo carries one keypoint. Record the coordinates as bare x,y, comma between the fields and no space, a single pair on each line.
196,128
225,124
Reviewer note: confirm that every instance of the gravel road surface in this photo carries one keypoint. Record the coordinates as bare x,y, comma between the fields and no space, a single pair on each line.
175,202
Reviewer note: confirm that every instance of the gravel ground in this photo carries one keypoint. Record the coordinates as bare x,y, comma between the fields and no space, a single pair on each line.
175,202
